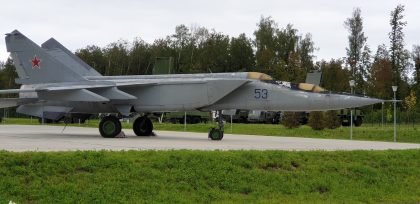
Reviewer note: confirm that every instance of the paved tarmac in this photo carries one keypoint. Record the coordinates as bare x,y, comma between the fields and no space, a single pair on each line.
20,138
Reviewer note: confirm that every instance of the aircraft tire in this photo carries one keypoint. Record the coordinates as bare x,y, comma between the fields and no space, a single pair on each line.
216,134
143,126
110,126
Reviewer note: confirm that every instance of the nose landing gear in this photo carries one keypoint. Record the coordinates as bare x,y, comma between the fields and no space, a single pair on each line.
217,133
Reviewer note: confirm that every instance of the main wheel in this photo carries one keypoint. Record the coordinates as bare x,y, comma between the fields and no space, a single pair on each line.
216,134
143,126
110,126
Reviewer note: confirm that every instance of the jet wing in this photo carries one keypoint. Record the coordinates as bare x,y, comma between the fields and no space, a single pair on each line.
105,91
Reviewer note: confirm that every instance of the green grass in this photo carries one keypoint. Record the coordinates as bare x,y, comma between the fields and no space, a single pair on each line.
211,176
405,133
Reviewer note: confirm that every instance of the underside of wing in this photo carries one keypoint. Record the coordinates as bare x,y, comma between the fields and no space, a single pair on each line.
12,102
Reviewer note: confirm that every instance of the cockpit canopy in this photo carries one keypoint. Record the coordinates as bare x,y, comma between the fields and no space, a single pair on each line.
294,86
259,76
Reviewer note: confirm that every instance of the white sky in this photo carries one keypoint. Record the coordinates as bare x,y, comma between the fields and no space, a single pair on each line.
77,23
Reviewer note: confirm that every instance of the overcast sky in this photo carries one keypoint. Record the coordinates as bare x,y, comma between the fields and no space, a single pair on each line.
77,23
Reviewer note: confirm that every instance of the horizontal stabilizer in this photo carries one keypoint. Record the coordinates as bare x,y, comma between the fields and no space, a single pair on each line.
113,93
72,95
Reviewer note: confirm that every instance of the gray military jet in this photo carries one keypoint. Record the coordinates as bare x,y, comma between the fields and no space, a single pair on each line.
55,84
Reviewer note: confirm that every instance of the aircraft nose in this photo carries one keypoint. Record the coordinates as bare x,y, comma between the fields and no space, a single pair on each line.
352,101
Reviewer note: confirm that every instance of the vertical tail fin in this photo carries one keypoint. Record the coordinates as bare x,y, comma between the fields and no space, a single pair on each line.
62,54
34,65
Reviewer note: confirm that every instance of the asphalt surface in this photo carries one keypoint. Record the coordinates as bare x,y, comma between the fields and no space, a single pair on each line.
51,138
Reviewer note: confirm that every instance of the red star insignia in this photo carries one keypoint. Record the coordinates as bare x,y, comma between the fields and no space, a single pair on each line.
36,62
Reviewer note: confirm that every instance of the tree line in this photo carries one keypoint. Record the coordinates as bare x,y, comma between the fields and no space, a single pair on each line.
282,52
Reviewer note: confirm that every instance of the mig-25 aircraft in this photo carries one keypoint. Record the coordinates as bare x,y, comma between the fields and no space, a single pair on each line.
56,84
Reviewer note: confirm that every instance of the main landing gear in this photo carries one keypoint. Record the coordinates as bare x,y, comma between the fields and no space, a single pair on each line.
143,126
110,126
217,133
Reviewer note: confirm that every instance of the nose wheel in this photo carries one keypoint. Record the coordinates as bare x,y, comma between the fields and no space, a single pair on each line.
217,133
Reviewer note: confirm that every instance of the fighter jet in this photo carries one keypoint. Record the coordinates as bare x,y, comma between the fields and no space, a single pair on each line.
55,84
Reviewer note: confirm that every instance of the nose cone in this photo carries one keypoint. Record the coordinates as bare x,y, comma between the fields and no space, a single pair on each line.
339,101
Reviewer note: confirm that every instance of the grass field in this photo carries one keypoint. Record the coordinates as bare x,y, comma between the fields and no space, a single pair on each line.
405,133
211,176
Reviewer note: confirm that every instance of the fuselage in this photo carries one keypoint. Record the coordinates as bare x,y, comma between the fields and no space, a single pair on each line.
205,92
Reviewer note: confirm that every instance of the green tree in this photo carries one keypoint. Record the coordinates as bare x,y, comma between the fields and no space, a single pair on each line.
290,120
410,103
265,43
141,58
294,69
286,41
241,54
214,54
198,36
398,54
93,56
306,49
381,74
416,59
117,55
162,48
332,121
282,53
316,120
334,76
287,55
358,54
181,39
7,77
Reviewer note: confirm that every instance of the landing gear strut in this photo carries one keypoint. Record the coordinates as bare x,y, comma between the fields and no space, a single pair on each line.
217,133
110,126
143,126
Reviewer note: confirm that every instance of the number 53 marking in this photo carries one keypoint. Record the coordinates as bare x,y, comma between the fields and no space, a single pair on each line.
261,93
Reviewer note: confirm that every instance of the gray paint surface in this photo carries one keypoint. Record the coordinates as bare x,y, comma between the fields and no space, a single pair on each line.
20,138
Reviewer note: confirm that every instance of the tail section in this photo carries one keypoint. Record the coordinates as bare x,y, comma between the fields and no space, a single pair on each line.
62,54
34,65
